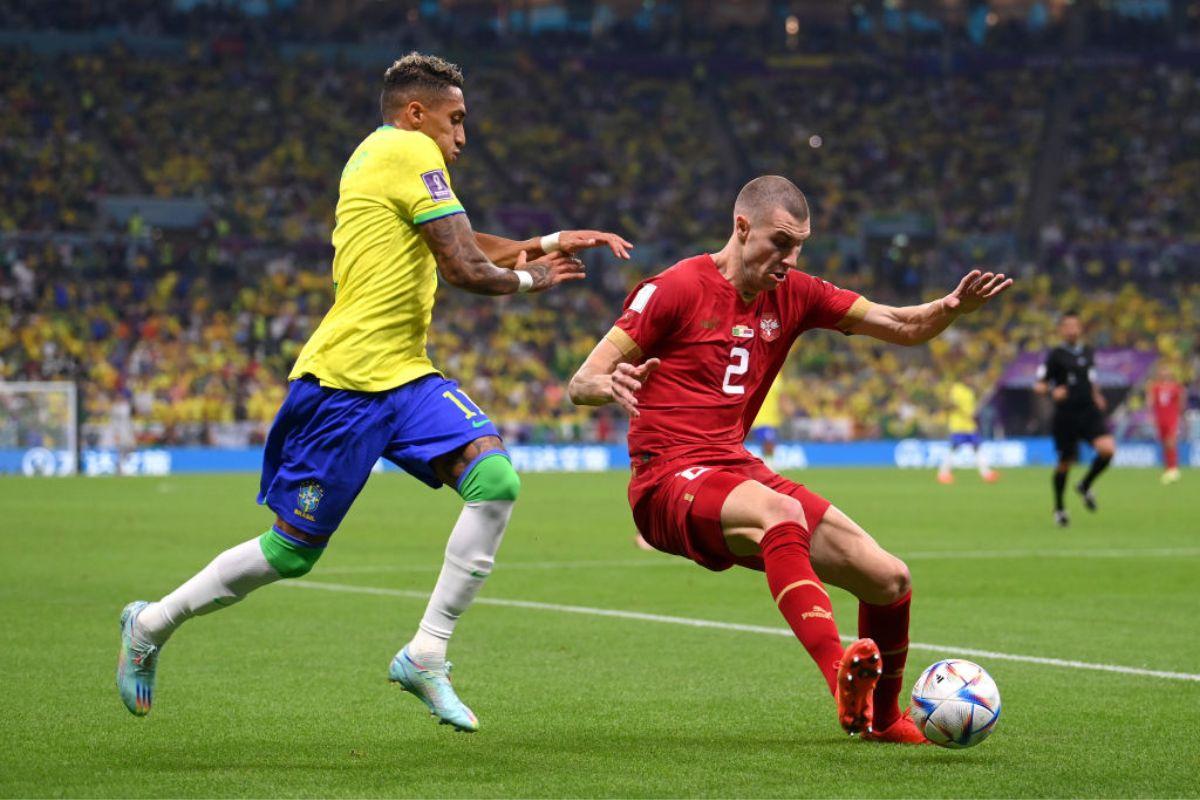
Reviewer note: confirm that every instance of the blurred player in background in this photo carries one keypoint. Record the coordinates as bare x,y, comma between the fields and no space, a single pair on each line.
1165,396
364,388
715,330
765,430
964,432
1069,376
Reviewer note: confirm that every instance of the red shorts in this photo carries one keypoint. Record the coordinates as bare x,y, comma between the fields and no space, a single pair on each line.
677,506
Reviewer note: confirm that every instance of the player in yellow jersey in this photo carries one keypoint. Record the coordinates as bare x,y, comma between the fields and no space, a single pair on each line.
364,388
964,432
766,425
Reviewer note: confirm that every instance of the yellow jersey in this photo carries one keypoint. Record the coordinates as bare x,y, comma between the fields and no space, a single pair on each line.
962,408
384,275
769,415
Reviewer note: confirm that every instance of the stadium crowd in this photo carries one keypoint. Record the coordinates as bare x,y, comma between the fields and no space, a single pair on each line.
199,360
191,334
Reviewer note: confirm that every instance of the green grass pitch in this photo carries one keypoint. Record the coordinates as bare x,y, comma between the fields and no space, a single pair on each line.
285,695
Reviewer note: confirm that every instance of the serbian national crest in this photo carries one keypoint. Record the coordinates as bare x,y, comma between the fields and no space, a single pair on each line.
769,325
310,495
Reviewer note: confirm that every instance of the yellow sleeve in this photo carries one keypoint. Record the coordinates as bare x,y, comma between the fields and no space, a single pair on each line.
418,181
963,399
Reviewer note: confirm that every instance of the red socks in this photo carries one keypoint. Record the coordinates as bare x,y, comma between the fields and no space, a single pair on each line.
888,626
805,605
1171,455
801,598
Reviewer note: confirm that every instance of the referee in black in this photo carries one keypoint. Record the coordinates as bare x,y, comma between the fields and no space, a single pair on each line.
1069,377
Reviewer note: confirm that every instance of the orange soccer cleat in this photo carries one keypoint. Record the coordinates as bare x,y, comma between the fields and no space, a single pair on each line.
945,478
857,676
902,731
991,476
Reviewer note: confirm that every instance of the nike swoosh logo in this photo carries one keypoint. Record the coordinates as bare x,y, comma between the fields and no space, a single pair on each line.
479,423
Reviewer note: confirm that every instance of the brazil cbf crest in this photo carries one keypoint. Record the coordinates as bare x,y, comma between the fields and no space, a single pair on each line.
310,496
769,325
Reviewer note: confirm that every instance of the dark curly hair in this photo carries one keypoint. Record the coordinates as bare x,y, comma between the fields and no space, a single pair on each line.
416,75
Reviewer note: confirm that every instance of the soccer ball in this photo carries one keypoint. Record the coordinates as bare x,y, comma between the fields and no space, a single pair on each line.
955,703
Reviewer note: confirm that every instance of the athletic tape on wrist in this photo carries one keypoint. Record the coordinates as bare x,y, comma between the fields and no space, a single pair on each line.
524,280
550,243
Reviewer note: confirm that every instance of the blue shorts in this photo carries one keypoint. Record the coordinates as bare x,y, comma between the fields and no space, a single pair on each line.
764,434
324,443
957,439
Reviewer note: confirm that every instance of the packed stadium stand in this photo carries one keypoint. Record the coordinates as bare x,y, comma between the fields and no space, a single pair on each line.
167,207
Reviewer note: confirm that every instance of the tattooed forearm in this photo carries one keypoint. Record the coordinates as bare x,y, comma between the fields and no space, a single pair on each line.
460,260
504,252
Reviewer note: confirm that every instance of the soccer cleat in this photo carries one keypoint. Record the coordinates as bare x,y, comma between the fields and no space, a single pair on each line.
945,478
902,731
991,476
1089,499
857,676
432,687
136,664
1170,476
1061,519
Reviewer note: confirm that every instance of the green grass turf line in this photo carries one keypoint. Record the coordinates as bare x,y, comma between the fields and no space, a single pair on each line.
285,695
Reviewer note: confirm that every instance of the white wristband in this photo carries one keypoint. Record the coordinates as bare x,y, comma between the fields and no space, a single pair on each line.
525,280
550,243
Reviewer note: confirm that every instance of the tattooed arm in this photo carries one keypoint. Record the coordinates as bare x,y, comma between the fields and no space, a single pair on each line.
505,251
464,265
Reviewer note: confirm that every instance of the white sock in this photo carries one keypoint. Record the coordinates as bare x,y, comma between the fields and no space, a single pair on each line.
227,579
947,461
470,554
981,460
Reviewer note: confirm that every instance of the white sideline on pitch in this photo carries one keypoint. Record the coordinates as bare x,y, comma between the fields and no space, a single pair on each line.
734,626
668,561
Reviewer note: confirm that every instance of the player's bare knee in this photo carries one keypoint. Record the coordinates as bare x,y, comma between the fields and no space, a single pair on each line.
900,580
780,508
888,583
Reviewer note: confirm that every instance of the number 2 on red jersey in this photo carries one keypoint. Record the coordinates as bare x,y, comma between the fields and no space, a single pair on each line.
741,364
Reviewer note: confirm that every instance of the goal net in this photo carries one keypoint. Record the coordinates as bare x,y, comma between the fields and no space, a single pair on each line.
39,428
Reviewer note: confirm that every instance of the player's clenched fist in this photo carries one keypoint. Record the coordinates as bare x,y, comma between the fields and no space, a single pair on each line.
627,381
551,270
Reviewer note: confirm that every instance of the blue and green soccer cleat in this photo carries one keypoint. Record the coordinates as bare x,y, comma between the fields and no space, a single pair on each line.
432,687
135,664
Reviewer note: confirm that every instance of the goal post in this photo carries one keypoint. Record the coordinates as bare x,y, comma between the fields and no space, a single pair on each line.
39,428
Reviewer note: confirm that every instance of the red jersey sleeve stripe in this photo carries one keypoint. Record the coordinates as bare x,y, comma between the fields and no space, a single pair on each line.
624,342
858,309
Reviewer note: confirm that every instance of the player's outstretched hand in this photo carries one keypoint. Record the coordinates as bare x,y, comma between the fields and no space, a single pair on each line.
975,289
627,381
551,270
574,241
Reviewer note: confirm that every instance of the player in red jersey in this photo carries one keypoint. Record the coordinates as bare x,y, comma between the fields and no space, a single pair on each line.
713,331
1165,398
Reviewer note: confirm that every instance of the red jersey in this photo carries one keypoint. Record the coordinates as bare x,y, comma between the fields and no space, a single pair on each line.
1166,399
719,354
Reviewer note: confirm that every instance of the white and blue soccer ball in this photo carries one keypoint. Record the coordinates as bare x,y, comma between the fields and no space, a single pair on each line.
955,703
